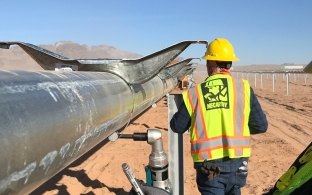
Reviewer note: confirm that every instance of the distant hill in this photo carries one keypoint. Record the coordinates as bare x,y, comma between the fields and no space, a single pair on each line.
200,72
16,58
256,67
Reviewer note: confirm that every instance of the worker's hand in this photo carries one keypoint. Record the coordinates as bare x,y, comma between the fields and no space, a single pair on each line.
210,169
148,190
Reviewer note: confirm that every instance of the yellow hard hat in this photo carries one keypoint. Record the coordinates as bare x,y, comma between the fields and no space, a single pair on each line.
220,49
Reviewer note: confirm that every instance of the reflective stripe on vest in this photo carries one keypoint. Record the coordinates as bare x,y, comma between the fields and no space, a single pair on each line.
210,137
197,112
223,141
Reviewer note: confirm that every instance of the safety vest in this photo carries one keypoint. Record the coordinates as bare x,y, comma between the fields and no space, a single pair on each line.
219,110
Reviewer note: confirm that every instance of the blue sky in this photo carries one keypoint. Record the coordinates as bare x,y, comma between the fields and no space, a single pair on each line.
262,32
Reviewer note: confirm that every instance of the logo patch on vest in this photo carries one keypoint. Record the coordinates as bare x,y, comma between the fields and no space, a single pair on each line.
215,93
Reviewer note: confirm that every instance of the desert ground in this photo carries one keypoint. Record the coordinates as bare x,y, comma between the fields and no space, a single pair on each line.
289,132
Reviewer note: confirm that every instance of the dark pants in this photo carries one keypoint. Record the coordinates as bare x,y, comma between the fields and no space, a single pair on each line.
228,182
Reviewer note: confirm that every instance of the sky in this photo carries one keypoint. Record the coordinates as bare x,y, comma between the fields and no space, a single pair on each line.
262,32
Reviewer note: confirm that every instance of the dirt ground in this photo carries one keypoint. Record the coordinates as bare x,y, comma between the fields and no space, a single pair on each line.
289,132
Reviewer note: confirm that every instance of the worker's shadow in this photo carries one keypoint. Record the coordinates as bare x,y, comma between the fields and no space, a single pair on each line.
82,177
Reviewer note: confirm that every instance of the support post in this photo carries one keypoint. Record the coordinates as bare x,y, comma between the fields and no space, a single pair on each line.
261,83
287,83
305,78
255,79
273,82
175,148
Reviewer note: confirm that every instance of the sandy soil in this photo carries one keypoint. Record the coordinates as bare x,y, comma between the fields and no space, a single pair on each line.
99,171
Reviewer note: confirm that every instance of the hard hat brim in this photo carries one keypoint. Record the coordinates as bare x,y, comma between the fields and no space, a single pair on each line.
215,58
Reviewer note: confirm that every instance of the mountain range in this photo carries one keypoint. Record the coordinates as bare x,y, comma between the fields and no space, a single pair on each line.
16,59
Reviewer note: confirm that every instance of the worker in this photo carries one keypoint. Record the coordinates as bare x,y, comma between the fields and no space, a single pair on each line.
220,113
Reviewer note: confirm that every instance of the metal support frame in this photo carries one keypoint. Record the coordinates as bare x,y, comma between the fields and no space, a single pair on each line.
175,148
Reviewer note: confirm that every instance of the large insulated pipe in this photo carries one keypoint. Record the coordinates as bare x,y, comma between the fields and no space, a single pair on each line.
48,119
